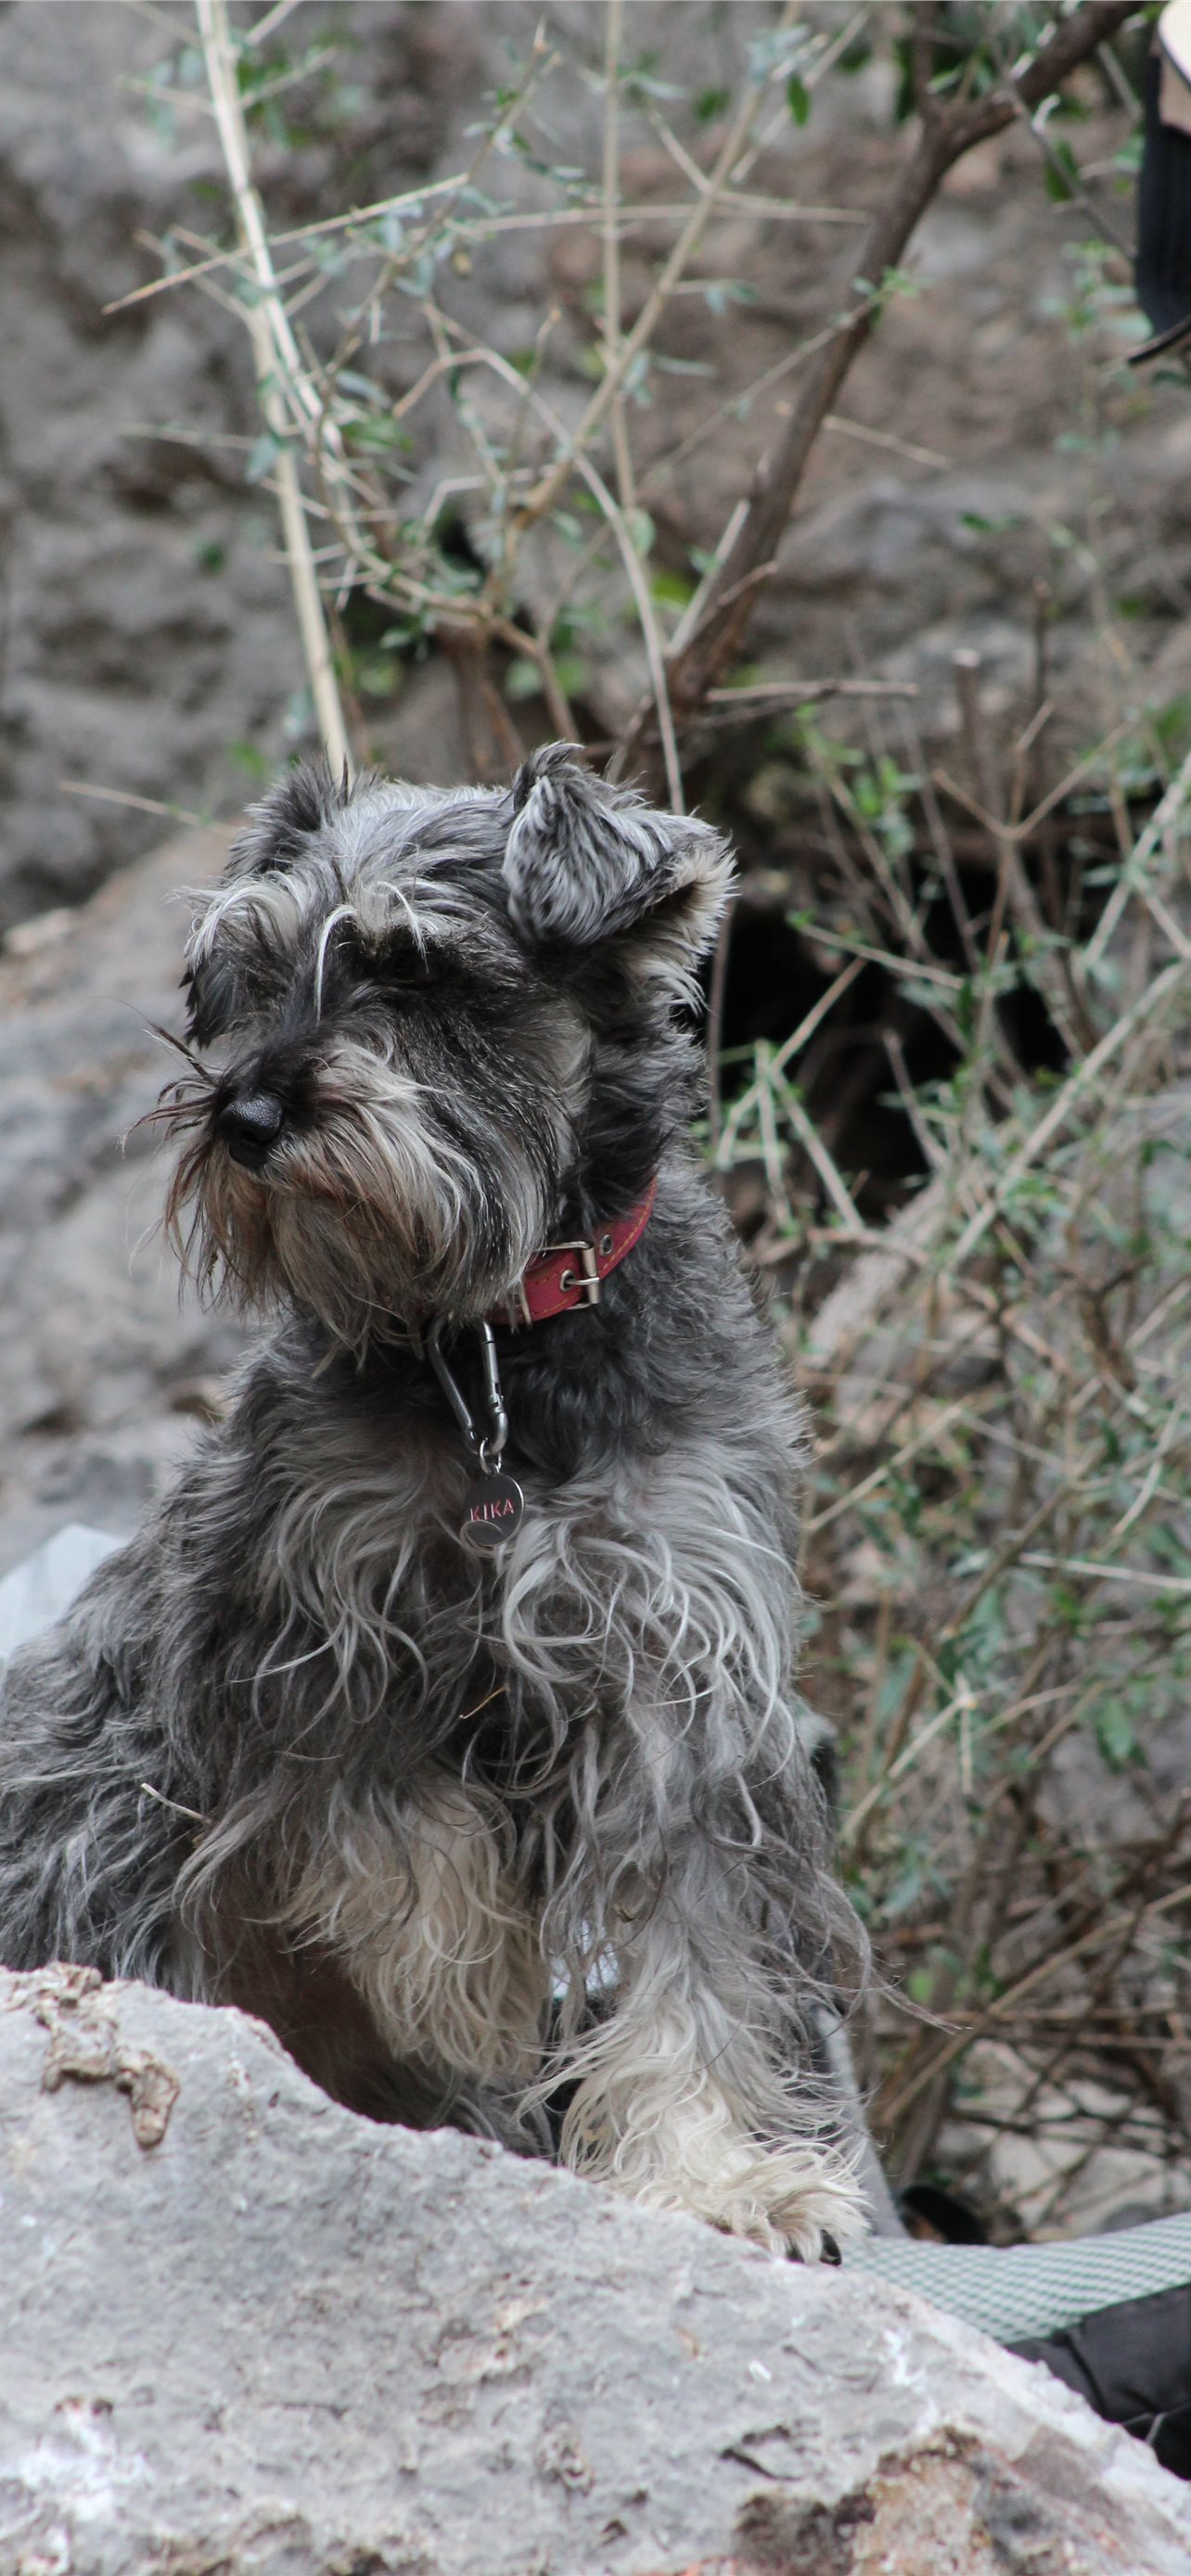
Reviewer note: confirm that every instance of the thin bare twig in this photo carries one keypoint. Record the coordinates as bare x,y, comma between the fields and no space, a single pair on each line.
274,350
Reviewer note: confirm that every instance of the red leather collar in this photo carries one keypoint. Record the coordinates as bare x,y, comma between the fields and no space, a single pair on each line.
567,1275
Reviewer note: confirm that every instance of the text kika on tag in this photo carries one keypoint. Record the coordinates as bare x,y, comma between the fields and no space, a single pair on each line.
494,1509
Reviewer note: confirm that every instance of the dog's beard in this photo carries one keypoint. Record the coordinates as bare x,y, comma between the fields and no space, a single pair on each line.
371,1218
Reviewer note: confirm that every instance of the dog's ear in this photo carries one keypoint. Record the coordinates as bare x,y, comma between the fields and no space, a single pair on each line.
281,827
587,863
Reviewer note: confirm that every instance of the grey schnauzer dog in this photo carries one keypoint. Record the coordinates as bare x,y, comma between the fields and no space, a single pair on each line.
443,1712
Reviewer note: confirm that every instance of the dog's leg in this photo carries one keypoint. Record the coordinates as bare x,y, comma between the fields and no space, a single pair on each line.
679,2102
688,1839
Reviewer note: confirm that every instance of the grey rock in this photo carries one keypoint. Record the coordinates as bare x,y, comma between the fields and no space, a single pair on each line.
147,621
245,2331
102,1370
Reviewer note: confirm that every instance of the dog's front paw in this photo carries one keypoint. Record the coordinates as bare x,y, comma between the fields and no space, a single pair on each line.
790,2200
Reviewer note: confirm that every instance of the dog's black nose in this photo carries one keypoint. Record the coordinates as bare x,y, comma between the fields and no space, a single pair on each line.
250,1125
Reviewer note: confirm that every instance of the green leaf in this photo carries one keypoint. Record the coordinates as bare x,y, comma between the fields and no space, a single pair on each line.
720,292
376,674
902,1666
671,590
1114,1734
361,385
379,437
400,638
262,457
523,680
711,103
1062,173
982,526
798,99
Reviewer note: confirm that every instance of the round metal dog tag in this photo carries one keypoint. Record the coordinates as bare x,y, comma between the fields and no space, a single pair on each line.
494,1509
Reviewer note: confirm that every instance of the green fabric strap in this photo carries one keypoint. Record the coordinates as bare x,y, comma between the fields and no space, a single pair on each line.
1013,2291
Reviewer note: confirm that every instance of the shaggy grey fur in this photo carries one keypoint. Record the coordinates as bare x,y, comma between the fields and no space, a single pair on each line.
534,1843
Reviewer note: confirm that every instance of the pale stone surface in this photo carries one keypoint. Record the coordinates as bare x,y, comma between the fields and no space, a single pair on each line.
284,2342
101,1370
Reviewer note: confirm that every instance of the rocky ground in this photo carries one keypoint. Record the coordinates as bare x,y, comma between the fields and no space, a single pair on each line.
244,2330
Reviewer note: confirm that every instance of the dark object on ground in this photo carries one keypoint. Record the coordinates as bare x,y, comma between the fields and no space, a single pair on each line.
932,2213
1133,2364
1162,272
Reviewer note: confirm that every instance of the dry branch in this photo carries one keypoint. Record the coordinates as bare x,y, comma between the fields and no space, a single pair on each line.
275,352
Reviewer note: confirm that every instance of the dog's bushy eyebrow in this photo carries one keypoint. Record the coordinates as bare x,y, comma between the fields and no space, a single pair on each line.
212,995
384,946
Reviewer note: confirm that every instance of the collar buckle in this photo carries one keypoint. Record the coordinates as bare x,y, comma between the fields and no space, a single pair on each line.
554,1285
587,1278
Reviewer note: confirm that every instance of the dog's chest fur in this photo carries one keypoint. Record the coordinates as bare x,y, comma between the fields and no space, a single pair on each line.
434,1735
655,1465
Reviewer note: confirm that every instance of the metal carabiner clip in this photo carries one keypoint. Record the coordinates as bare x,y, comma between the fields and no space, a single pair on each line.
494,1505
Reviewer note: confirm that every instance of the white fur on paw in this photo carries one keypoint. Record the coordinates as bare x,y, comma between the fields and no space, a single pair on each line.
786,2199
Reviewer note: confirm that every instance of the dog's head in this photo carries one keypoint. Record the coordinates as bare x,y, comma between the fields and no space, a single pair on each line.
427,1026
